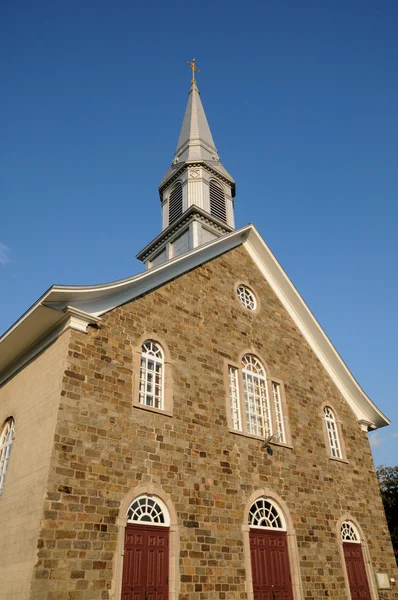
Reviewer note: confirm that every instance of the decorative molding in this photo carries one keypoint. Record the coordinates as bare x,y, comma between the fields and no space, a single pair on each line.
170,233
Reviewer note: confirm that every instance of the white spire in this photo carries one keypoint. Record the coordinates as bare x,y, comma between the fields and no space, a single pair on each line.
195,141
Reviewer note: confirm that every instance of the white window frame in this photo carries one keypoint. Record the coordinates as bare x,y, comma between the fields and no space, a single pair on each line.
255,402
260,505
255,395
6,439
246,297
151,354
332,433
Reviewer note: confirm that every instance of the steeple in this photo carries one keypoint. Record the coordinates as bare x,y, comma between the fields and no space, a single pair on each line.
197,191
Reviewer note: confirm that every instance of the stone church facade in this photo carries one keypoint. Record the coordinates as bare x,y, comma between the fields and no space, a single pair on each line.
190,432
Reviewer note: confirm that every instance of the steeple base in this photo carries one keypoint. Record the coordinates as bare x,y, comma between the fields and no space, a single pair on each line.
193,228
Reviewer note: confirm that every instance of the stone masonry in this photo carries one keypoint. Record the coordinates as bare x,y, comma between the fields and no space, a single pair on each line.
104,446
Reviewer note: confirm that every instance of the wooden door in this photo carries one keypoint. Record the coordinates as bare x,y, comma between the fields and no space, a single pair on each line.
270,565
146,563
356,571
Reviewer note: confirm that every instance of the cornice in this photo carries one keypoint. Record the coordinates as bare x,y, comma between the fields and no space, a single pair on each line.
186,165
68,318
193,213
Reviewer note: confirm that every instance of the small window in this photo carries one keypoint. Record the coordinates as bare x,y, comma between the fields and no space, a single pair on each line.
280,428
246,297
175,202
217,201
264,513
349,533
151,392
234,395
147,509
332,433
6,439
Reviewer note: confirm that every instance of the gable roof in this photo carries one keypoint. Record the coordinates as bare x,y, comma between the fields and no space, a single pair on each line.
63,307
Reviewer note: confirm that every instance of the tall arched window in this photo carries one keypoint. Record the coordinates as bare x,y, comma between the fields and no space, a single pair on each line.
258,421
217,201
256,404
6,438
332,433
175,202
151,392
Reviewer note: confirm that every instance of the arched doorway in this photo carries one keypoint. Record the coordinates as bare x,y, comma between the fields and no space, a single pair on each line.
354,561
146,550
269,554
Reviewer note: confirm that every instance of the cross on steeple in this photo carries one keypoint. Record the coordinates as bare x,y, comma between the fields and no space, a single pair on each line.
194,68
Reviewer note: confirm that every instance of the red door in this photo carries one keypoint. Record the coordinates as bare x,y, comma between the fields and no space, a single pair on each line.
270,565
356,572
146,563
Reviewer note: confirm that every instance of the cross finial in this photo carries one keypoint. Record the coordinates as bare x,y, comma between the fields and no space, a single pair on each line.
194,68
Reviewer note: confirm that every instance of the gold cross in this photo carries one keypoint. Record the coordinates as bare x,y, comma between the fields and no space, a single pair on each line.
194,68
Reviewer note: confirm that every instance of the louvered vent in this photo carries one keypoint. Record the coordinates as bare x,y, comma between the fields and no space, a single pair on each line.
175,203
217,202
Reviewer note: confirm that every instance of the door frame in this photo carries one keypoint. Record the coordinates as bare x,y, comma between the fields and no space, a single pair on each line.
290,537
174,540
366,558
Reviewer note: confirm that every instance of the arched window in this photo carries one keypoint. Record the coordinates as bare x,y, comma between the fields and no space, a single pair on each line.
264,513
148,509
217,201
257,407
349,533
332,433
6,438
151,392
255,415
175,202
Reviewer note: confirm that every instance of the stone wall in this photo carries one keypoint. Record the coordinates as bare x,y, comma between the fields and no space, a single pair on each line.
31,397
104,446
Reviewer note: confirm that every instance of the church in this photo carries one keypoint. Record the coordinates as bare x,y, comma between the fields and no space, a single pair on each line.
188,433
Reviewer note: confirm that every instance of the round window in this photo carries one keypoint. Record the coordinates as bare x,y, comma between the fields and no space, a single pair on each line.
246,297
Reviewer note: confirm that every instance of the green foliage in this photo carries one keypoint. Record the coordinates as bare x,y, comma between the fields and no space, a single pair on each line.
388,480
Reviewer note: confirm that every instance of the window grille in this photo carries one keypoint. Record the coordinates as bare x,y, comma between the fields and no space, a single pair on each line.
175,202
264,513
217,201
280,428
151,375
333,436
146,510
234,397
349,533
258,421
6,439
246,297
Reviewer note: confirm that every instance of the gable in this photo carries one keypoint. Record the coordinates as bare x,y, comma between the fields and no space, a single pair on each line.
76,307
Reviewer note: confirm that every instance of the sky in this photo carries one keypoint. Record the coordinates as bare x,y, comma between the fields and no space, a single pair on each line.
301,98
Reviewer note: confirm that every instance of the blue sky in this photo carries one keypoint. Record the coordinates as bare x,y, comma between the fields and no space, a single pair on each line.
302,101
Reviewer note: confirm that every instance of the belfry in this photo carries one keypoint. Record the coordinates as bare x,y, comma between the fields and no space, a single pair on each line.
197,192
